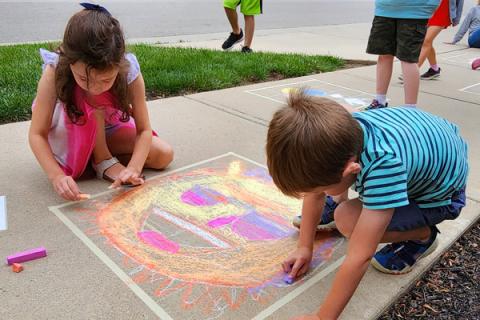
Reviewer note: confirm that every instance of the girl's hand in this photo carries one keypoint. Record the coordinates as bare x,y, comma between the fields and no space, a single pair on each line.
66,187
128,175
307,317
298,262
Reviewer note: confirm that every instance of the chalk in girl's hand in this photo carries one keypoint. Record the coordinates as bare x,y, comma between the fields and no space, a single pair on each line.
84,196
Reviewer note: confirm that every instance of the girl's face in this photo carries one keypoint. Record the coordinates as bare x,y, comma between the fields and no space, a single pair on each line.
96,81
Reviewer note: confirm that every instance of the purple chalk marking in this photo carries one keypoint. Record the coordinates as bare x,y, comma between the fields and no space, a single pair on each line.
288,279
27,255
159,241
221,221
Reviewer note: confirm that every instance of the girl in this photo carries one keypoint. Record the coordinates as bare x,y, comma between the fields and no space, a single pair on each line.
448,13
90,104
472,25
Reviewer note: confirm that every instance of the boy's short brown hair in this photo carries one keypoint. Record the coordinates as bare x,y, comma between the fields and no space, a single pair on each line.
309,143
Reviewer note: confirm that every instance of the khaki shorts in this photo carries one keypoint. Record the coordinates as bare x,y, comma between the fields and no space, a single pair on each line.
402,38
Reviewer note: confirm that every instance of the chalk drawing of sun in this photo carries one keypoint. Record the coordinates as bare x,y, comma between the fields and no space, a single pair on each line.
211,238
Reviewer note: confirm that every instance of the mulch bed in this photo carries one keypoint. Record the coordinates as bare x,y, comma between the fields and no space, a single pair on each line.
450,289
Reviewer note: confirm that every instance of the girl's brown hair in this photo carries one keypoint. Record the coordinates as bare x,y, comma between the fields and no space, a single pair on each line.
95,38
309,142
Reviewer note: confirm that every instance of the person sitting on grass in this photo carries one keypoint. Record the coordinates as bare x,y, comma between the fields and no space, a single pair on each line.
90,104
408,166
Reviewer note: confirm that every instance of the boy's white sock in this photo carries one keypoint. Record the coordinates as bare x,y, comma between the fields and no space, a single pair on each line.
435,67
381,98
410,105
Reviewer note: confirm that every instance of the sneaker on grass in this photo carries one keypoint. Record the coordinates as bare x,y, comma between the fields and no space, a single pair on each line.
232,40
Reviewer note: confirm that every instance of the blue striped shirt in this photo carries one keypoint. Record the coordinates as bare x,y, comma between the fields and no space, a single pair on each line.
409,154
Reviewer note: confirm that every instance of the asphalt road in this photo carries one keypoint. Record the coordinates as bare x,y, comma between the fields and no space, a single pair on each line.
22,21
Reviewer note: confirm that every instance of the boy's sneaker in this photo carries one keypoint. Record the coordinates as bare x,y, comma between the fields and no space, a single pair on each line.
246,50
326,222
232,40
430,74
400,257
376,105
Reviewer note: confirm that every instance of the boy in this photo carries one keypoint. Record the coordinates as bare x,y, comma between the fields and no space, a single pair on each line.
408,166
398,30
249,8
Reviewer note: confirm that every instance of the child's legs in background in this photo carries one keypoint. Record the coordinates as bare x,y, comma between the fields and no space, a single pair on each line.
411,82
410,37
121,142
382,42
250,8
384,73
474,39
230,7
428,51
249,30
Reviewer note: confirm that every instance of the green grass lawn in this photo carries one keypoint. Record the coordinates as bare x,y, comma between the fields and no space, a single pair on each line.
167,72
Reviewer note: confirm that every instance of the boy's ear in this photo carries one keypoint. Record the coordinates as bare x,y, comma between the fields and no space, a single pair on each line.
352,168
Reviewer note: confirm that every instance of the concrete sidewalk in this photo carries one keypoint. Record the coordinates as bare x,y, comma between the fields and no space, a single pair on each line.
92,272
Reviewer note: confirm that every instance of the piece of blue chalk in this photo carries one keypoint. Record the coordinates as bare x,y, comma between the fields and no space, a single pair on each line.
288,279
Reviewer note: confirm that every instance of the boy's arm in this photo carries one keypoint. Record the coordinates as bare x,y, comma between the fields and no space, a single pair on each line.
362,245
311,212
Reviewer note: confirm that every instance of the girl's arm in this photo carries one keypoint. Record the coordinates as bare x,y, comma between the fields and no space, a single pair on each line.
38,136
362,245
463,27
142,123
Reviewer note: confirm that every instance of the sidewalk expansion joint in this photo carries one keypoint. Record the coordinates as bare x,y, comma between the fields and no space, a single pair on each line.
230,111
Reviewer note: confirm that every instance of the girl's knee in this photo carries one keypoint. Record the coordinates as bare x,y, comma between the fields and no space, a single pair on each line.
160,156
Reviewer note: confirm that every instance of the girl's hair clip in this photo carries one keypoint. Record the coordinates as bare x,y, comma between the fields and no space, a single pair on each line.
96,7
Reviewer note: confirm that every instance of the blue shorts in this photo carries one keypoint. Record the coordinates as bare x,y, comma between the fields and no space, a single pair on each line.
411,216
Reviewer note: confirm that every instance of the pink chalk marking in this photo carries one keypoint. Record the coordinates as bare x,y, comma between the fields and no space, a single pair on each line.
158,241
28,255
219,222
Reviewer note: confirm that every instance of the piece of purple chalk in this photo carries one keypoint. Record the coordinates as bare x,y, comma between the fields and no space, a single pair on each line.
288,279
27,255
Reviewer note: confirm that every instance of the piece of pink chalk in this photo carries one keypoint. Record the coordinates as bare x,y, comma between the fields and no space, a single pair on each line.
27,255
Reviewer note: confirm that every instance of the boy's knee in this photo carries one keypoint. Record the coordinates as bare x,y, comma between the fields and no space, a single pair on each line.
342,221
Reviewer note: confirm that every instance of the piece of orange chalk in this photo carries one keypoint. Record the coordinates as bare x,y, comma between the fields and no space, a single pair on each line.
17,267
84,196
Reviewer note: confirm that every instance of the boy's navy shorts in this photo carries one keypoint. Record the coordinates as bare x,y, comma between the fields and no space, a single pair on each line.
411,216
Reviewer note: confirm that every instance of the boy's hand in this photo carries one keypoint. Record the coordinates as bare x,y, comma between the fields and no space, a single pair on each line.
66,187
127,175
307,317
298,262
